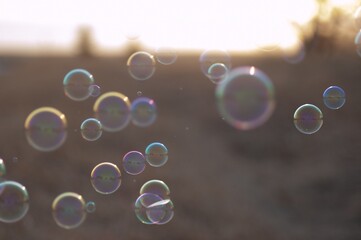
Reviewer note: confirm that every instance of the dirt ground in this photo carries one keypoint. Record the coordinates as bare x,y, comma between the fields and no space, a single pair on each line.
269,183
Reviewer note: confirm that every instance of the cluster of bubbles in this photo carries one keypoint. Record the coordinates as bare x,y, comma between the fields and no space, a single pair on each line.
154,206
308,118
14,198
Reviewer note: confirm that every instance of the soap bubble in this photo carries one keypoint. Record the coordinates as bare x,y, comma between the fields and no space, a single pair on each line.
141,204
134,162
105,178
90,207
46,129
246,98
358,43
139,93
166,56
156,154
210,57
76,84
334,97
69,210
2,168
94,90
160,212
157,187
143,112
217,72
308,119
112,109
91,129
14,201
296,54
141,65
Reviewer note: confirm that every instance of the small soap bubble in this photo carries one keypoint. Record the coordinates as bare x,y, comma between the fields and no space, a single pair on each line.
139,93
76,84
2,168
91,129
14,201
112,109
45,129
210,57
217,72
160,212
141,65
141,204
166,56
90,207
334,97
157,187
106,178
69,210
94,90
143,112
134,162
308,119
156,154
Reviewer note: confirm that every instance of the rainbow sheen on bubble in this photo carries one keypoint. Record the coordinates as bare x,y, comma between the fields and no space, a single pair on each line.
156,187
210,57
76,84
160,212
91,129
14,201
134,162
2,168
69,210
105,178
94,90
217,72
141,65
166,55
112,109
141,204
90,207
143,111
334,97
156,154
45,129
308,119
245,99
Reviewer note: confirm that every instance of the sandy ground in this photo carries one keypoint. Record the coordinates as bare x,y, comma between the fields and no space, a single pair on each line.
269,183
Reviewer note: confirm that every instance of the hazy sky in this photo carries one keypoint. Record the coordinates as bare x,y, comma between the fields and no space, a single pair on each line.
192,24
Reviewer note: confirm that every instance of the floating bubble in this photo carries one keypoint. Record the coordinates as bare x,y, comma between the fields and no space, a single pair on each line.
143,112
90,207
134,162
334,97
112,109
141,65
210,57
308,119
91,129
105,178
246,98
296,54
2,168
357,17
157,187
45,129
94,90
76,84
217,72
358,43
166,56
160,212
139,93
156,154
141,204
69,210
14,201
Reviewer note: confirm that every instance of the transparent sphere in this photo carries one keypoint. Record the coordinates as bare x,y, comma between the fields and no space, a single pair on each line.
156,187
143,111
91,129
160,212
156,154
94,90
141,65
210,57
106,178
90,207
334,97
76,84
134,162
141,206
166,55
217,72
308,119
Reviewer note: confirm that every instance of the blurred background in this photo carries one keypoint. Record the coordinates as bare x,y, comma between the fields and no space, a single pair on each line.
272,182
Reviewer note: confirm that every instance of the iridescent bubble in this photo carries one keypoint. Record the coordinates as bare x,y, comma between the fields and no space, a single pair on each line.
69,210
141,204
134,162
76,84
334,97
156,154
45,129
157,187
358,43
308,119
166,56
112,109
14,201
2,168
90,207
105,178
246,98
143,112
94,90
357,17
141,65
210,57
91,129
217,72
160,212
